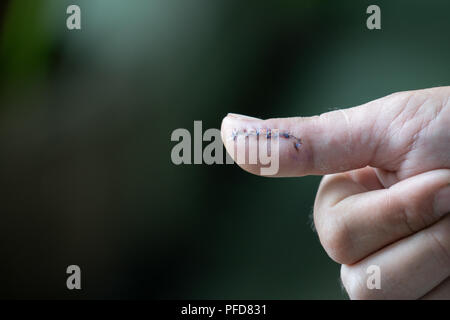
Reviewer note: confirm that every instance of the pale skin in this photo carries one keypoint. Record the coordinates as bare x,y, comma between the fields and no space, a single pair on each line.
385,195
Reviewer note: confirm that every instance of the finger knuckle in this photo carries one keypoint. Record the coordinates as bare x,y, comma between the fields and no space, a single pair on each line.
335,239
354,281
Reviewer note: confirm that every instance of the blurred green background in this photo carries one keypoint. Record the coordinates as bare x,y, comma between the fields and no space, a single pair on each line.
86,117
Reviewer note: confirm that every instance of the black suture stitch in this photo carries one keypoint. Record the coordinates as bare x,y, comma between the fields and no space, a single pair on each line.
268,133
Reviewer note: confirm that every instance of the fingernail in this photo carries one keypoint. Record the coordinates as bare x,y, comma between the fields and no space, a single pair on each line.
442,201
241,116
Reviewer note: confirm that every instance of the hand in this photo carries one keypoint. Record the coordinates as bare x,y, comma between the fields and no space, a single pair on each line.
385,195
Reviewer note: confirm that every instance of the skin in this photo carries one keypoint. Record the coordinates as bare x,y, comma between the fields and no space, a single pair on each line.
385,195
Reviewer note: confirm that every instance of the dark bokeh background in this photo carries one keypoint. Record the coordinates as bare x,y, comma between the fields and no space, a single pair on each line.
86,117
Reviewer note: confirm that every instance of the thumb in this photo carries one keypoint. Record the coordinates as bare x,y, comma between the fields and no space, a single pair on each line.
333,142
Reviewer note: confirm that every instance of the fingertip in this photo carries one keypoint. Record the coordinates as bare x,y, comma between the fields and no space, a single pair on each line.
265,147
